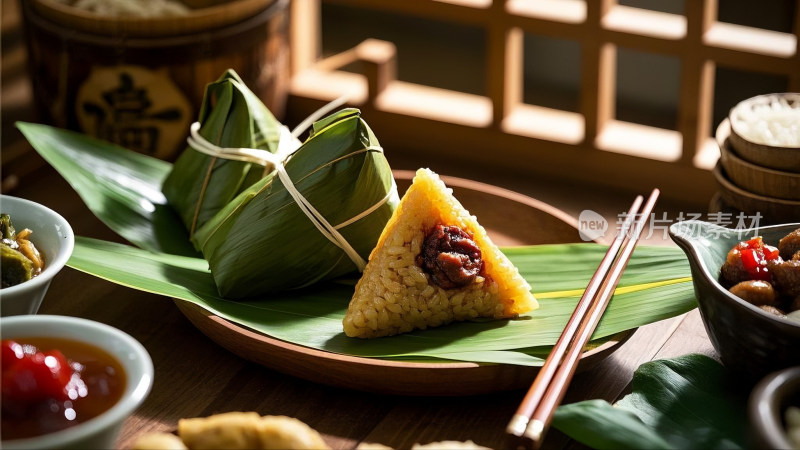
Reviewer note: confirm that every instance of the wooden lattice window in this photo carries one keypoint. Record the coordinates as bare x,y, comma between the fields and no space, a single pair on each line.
498,129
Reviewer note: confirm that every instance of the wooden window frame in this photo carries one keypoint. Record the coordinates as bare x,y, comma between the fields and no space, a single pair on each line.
500,132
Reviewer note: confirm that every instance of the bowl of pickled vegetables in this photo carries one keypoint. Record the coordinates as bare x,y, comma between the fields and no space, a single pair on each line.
747,284
36,244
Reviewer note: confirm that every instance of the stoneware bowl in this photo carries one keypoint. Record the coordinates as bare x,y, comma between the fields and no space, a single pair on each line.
752,177
775,157
772,210
100,431
749,341
52,236
766,408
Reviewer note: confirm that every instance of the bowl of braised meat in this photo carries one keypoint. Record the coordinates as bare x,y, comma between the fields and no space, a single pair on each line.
747,284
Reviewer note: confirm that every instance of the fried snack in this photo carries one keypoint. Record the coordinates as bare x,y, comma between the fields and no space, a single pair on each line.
281,432
239,430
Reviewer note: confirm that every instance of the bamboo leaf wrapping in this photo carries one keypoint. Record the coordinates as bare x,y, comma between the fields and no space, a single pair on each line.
240,215
199,185
262,242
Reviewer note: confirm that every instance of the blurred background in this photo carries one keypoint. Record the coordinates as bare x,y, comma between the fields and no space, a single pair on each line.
576,103
446,55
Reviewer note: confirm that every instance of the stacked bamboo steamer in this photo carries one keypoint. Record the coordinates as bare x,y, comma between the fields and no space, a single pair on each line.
139,81
759,168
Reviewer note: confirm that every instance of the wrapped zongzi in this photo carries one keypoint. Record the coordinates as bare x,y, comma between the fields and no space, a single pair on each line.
301,214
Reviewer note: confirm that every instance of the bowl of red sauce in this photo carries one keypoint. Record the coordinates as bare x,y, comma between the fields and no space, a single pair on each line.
68,382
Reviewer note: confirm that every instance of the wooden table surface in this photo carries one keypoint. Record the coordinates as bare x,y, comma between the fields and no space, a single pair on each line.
195,377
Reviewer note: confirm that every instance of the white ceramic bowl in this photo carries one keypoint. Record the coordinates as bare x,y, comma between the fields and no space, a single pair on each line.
786,159
54,238
767,407
101,431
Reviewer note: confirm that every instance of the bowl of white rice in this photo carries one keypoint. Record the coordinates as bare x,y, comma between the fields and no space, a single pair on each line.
765,130
760,180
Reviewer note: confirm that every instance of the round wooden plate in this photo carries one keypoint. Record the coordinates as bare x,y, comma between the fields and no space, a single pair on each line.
511,219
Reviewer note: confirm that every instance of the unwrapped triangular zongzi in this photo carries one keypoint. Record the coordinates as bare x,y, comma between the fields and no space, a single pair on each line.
434,264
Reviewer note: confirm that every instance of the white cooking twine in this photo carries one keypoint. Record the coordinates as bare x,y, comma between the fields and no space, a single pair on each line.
288,144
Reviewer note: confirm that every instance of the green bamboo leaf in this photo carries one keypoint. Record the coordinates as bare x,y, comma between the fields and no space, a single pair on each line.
691,401
508,357
121,187
598,424
313,317
686,402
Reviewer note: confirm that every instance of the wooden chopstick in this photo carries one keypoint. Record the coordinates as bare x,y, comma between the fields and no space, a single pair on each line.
527,427
543,413
519,421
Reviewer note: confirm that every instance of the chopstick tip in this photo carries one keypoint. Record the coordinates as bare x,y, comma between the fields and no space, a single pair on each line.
517,425
535,432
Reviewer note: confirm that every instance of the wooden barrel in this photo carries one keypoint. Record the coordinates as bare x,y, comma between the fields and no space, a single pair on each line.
140,82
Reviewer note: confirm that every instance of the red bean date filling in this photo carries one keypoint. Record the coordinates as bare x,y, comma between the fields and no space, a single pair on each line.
450,257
